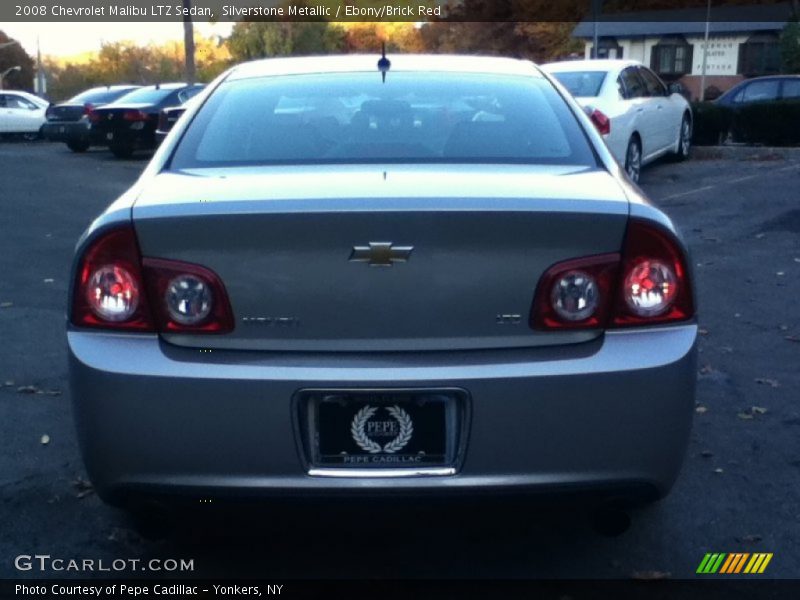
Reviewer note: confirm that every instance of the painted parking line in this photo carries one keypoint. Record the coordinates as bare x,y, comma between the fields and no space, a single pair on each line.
705,188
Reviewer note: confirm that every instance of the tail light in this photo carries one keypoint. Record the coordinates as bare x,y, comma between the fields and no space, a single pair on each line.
646,284
162,121
134,115
116,289
87,108
601,121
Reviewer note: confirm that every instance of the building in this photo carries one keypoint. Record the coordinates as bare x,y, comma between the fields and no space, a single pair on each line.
743,42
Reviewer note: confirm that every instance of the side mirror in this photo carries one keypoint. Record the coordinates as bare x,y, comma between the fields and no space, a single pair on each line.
675,88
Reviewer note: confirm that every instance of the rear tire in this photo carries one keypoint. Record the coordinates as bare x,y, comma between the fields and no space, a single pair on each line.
78,146
122,150
633,159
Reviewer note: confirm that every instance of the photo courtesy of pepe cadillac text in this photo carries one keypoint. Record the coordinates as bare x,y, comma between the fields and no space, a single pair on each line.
343,298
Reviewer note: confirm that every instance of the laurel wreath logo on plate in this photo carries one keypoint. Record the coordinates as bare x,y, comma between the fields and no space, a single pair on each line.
397,430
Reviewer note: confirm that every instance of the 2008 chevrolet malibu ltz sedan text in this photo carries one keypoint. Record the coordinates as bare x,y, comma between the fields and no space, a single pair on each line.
416,276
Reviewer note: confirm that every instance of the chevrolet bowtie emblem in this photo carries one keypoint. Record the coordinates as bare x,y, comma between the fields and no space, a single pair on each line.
380,254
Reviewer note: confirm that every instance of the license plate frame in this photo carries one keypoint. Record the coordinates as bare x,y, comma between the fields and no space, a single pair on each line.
382,430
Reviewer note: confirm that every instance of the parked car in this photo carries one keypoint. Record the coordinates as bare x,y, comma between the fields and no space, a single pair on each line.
130,123
168,117
639,116
421,275
761,89
68,122
22,114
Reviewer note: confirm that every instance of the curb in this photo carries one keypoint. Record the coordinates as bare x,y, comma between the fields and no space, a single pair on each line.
745,152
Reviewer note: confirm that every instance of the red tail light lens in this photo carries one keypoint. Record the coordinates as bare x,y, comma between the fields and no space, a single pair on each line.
134,115
647,284
109,289
655,286
116,289
601,121
576,293
187,297
87,108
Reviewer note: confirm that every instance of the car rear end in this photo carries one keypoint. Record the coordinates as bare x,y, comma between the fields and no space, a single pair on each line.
70,122
333,285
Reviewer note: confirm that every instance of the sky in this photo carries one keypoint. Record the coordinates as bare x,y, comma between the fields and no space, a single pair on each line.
68,39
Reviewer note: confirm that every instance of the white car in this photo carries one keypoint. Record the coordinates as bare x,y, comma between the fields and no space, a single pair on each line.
639,116
22,113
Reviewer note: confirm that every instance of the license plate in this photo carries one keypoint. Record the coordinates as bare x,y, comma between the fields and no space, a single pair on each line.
383,429
110,136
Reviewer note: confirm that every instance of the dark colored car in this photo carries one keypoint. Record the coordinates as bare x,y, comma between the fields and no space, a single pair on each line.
167,119
130,123
762,89
68,122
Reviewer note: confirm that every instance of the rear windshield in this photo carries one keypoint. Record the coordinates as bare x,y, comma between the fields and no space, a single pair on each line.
582,84
146,96
356,118
99,95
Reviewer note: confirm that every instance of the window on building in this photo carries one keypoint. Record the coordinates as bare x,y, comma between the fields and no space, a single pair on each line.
671,56
608,48
760,55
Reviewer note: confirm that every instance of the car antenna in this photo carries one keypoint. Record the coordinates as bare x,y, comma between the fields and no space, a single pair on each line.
384,64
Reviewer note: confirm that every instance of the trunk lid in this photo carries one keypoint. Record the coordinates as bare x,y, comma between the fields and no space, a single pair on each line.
286,242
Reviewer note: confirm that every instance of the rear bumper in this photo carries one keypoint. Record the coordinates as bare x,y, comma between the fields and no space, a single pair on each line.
66,131
156,419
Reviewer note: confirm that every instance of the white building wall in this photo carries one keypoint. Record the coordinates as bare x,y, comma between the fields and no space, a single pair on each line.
723,52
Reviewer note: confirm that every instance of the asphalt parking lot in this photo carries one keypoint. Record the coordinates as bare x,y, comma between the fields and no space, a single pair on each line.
738,491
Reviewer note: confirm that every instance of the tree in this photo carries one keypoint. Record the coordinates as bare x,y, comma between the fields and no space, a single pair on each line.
14,55
250,40
790,48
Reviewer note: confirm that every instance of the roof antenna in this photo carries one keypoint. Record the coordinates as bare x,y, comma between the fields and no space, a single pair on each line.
384,64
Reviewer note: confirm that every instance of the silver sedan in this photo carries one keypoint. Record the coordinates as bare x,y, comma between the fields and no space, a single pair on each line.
415,275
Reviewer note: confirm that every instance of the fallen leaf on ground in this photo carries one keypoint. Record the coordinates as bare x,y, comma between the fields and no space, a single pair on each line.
82,488
49,280
706,369
758,410
27,389
45,439
651,575
770,382
8,383
792,338
701,409
702,331
745,415
760,235
6,304
718,470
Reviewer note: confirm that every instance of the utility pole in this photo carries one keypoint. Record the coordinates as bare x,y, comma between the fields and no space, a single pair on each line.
597,7
705,54
188,42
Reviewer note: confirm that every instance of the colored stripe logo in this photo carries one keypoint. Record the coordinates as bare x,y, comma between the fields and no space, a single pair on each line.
734,563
